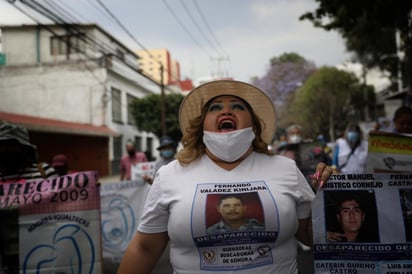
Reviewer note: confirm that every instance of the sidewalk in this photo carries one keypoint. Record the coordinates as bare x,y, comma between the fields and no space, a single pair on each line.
109,179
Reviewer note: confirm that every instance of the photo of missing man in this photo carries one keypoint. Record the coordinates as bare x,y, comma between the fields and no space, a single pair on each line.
234,212
351,216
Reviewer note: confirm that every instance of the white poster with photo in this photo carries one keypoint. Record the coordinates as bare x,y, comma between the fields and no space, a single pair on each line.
388,152
362,223
140,170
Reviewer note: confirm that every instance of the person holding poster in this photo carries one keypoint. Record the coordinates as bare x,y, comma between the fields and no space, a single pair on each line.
132,158
227,126
351,151
402,120
167,150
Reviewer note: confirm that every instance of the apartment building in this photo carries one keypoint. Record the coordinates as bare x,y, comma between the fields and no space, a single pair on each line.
153,61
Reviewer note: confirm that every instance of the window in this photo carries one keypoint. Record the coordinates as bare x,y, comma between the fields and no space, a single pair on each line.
138,143
117,147
120,54
67,44
130,116
149,145
116,105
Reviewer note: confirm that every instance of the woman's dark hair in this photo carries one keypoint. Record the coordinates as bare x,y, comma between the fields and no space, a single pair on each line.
401,111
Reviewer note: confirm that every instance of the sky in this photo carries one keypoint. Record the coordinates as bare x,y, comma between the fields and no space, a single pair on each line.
226,38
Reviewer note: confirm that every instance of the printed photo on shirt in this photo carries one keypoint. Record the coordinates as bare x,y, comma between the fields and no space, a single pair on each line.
234,212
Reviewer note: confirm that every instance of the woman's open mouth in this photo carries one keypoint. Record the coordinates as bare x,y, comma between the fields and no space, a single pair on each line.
226,125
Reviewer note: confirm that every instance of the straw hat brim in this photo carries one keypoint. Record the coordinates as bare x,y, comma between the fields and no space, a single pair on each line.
261,104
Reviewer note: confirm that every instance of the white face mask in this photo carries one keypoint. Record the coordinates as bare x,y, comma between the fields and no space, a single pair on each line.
229,146
295,139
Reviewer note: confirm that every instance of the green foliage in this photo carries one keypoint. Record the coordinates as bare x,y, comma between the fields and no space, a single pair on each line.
289,57
147,114
368,28
326,101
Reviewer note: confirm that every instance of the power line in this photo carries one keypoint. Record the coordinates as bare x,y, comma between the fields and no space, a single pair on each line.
57,8
61,22
162,69
51,31
208,26
47,13
205,22
197,25
128,32
72,11
99,9
184,27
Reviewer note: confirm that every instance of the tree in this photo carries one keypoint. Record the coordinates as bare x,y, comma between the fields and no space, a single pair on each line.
147,114
327,101
369,28
285,74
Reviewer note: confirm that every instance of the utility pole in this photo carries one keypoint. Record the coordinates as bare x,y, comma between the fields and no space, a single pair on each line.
219,60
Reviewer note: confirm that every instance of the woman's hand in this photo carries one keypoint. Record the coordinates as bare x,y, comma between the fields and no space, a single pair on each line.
321,176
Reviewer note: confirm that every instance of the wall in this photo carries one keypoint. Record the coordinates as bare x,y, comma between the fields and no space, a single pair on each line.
74,147
66,92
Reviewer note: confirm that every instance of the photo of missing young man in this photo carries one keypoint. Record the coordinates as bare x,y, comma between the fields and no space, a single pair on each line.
351,216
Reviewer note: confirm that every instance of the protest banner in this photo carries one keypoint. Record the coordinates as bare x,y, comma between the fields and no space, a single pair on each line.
122,205
389,152
362,223
51,225
142,169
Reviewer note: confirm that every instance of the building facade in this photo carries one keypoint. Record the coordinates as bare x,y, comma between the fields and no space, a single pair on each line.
71,87
151,61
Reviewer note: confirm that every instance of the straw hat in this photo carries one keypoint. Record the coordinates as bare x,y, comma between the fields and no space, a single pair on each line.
261,104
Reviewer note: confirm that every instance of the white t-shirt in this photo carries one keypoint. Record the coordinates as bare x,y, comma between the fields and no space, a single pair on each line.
356,163
183,199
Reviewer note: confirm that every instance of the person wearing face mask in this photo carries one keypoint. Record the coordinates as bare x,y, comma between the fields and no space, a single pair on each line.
131,158
350,152
167,150
294,134
227,126
291,149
